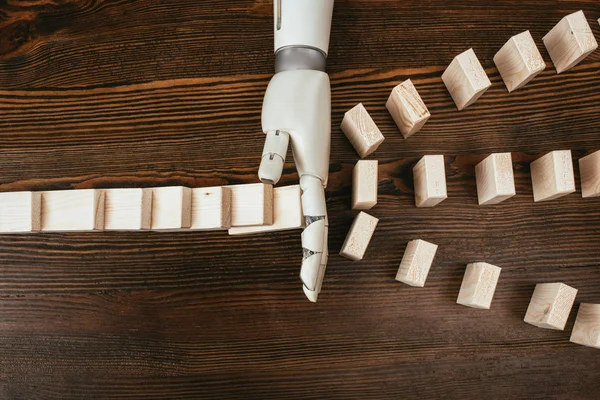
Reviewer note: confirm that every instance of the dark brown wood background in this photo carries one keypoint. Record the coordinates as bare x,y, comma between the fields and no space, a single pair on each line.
122,93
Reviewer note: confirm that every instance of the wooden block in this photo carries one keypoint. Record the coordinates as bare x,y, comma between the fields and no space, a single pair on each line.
127,209
364,184
586,330
552,176
359,236
465,79
407,108
589,171
287,213
519,61
211,208
361,131
430,181
550,305
416,263
479,285
171,208
570,41
73,210
20,212
251,204
495,179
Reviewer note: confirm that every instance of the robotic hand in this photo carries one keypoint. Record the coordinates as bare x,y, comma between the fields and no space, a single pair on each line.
297,108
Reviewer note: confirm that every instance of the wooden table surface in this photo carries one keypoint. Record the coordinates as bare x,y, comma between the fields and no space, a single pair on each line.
101,94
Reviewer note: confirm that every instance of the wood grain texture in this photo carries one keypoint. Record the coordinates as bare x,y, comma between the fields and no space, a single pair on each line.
586,330
109,94
550,305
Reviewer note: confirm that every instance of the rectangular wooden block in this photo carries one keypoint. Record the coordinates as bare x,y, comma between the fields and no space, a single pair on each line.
73,210
570,41
465,79
586,330
364,184
211,208
251,204
407,108
358,238
550,305
127,209
430,181
495,179
171,208
519,61
416,263
287,213
361,131
552,176
589,171
20,212
479,285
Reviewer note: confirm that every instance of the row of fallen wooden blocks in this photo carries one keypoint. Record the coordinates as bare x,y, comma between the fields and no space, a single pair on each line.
518,62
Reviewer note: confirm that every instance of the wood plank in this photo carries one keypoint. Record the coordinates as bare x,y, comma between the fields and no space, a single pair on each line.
73,210
20,212
171,208
127,209
251,204
211,208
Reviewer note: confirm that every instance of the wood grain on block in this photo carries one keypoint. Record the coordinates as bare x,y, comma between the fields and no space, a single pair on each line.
359,236
552,176
416,262
519,61
251,204
361,131
211,208
127,209
479,285
407,108
287,213
73,210
550,305
364,184
495,179
465,79
570,41
430,181
589,171
20,212
171,208
586,330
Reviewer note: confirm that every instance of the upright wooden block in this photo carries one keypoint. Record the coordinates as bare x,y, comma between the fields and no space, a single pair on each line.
20,212
364,184
550,305
570,41
407,108
251,204
211,208
552,176
495,179
73,210
416,263
465,79
359,236
287,213
171,208
430,181
127,209
589,171
479,285
519,61
586,330
361,131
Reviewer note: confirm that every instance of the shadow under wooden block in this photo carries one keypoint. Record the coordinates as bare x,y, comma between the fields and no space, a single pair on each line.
586,330
251,204
416,262
364,184
20,212
407,108
479,285
128,209
465,79
550,305
171,208
589,171
430,181
287,210
361,131
519,61
552,176
570,41
495,179
211,208
73,210
359,236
